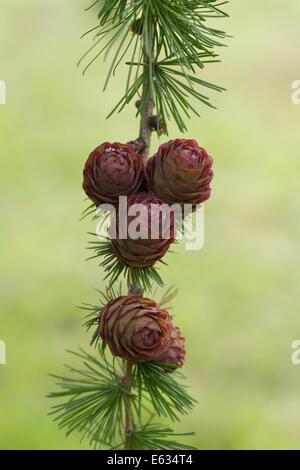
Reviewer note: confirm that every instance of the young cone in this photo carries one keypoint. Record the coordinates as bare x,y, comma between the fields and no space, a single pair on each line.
112,170
135,328
180,172
174,355
143,249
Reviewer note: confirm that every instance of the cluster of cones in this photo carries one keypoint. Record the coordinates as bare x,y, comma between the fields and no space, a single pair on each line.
179,173
134,327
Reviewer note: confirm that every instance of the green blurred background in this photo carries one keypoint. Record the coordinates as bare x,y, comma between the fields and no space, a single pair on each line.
238,304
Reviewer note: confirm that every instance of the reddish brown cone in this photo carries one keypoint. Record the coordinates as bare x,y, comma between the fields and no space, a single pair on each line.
175,352
135,328
180,172
143,252
112,170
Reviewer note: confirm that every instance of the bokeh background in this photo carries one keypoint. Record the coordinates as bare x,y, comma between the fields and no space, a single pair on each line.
238,304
